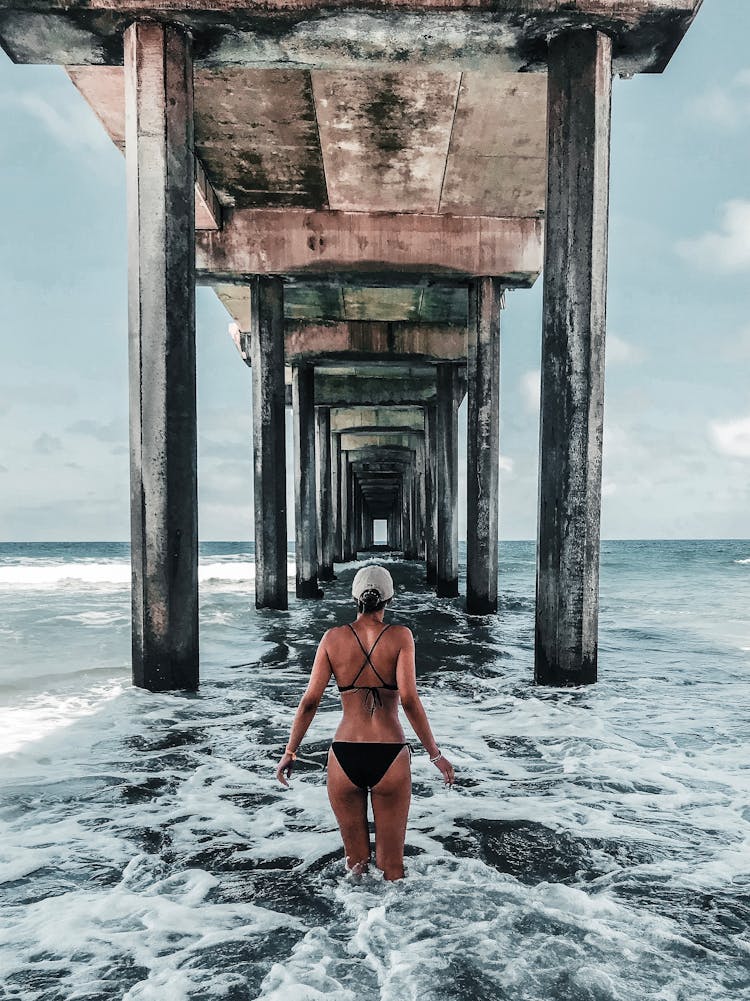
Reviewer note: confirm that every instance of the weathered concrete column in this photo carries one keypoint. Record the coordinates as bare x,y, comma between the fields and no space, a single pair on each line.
161,329
344,490
447,481
338,555
305,507
483,445
430,442
410,522
572,395
323,477
269,441
352,520
421,498
391,529
399,517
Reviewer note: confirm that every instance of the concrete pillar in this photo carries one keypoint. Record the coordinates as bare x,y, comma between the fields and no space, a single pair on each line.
391,530
399,517
483,445
323,478
430,441
344,488
161,329
447,481
362,520
353,515
269,441
572,396
338,556
305,507
421,499
410,521
416,528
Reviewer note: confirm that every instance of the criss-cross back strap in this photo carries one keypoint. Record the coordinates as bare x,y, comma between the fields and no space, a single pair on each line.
365,652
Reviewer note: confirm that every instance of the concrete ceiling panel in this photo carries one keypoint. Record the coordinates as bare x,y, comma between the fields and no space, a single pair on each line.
385,137
444,305
314,302
382,303
497,160
257,136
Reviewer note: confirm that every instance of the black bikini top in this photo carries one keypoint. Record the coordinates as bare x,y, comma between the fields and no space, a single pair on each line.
372,690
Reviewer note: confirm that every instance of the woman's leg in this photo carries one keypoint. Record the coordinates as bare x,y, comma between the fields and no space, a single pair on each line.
349,804
390,806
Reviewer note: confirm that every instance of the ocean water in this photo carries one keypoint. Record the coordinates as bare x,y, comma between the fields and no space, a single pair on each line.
596,844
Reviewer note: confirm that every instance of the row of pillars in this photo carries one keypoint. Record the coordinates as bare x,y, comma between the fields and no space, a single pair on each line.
163,435
333,514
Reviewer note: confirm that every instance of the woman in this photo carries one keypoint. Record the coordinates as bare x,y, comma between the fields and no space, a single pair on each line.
373,666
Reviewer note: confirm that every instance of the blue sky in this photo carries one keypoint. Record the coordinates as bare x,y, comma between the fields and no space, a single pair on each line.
677,400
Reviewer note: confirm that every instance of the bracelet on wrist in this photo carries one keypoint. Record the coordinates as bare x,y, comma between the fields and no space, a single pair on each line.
437,756
288,750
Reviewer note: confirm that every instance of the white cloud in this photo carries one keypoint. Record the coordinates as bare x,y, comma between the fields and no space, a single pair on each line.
737,346
531,383
726,106
47,444
732,437
717,106
727,250
619,351
67,118
609,487
506,464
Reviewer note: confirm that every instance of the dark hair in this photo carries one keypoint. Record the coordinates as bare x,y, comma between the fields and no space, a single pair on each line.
370,601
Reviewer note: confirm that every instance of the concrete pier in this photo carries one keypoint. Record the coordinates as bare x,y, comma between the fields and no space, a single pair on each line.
572,396
161,321
447,482
397,188
324,491
269,441
483,446
306,513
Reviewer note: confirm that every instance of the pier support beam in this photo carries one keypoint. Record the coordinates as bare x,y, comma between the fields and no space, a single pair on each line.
338,556
483,446
161,325
344,488
305,507
430,444
351,521
421,498
269,441
323,467
447,481
572,393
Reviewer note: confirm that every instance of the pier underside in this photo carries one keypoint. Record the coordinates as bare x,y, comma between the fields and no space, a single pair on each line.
360,184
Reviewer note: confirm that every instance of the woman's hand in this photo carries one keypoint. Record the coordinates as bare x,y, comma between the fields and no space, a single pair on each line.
285,766
447,769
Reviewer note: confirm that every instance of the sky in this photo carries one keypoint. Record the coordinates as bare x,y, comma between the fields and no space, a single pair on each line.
677,390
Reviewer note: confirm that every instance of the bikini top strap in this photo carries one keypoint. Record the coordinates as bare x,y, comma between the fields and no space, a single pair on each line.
367,655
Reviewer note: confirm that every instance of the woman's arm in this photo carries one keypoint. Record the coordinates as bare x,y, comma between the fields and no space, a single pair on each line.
308,706
406,679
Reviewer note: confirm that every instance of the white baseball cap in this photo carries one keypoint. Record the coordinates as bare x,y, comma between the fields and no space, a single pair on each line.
372,577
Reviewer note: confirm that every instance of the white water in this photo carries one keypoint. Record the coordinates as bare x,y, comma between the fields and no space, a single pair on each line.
595,845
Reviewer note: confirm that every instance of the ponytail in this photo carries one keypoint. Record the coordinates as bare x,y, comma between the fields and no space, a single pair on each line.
370,601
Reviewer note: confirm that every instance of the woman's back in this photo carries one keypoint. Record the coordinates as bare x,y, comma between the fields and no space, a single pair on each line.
364,658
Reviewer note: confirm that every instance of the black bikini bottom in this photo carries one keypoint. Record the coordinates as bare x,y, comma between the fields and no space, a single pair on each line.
366,763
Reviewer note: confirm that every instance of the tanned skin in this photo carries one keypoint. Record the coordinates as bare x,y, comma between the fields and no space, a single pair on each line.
339,655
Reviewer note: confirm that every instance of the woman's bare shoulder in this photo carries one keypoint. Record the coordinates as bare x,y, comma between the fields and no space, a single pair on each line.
402,633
